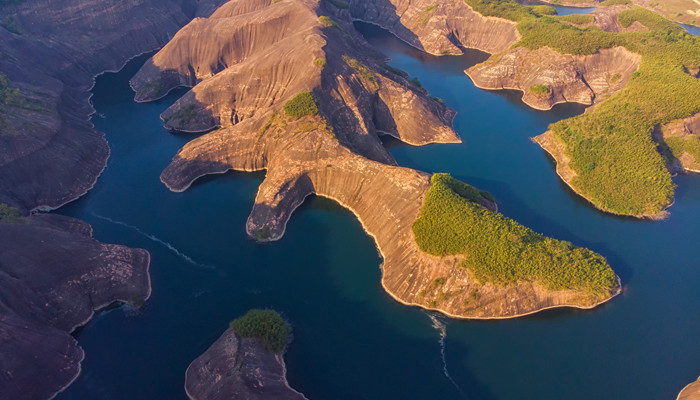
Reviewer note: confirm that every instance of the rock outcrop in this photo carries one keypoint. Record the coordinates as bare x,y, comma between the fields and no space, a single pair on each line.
547,78
438,28
49,152
681,130
690,392
53,277
252,57
238,368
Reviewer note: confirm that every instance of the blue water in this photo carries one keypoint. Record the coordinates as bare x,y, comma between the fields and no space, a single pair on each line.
351,340
692,29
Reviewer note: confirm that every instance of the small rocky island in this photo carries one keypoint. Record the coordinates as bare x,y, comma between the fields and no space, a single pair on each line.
245,363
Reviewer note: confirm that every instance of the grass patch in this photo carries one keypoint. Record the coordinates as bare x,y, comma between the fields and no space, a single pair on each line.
396,71
320,62
8,22
540,90
301,105
578,19
266,325
366,74
617,163
497,249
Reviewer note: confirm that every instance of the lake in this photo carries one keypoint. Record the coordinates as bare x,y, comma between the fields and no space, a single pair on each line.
351,340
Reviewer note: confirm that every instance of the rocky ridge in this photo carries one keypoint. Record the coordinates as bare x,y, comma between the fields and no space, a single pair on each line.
245,62
53,277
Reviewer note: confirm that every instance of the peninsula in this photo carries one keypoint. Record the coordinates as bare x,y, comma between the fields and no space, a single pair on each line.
289,87
690,392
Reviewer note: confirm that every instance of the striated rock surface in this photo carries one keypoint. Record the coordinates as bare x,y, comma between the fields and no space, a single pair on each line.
49,152
438,27
690,392
238,368
560,78
53,277
247,61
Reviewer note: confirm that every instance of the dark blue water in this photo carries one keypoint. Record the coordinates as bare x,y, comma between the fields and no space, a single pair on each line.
351,340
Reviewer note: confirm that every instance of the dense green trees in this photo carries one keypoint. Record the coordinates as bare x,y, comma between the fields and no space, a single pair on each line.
617,163
301,105
499,250
266,325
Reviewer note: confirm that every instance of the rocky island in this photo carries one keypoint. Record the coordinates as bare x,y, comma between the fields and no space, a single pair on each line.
245,363
289,87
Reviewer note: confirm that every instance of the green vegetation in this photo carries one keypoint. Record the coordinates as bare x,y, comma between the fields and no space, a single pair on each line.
184,115
155,89
540,90
497,249
578,19
10,214
617,163
687,144
615,2
330,22
416,82
301,105
266,325
320,62
12,98
427,14
366,75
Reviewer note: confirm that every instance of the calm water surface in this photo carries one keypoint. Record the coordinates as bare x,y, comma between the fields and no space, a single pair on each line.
351,340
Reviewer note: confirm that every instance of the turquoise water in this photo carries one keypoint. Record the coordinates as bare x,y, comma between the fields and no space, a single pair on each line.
351,340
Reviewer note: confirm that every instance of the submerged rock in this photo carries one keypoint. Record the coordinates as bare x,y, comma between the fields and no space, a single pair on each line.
53,277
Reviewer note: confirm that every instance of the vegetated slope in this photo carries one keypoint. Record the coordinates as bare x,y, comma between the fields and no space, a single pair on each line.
241,364
290,87
608,154
53,277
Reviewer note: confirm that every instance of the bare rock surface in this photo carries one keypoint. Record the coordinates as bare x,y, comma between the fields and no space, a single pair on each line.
240,87
49,153
562,77
690,392
681,129
237,368
53,277
438,27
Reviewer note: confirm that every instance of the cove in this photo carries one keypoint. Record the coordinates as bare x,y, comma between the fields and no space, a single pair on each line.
351,340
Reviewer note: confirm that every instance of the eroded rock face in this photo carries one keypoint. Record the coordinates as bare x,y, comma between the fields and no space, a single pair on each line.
438,27
50,154
561,78
241,85
690,392
53,277
236,368
682,129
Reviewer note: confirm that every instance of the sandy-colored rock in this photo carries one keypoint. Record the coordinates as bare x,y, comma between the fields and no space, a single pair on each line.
336,154
568,78
690,392
438,28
